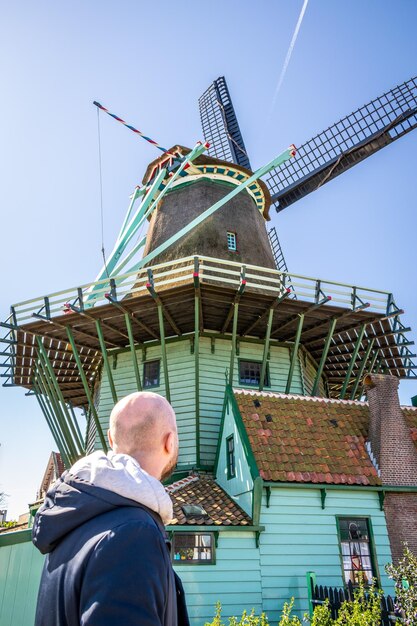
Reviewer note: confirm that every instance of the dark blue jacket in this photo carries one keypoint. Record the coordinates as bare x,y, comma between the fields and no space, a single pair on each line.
108,561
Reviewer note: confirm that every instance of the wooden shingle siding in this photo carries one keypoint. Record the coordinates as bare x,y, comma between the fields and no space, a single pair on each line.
300,536
240,487
20,570
235,580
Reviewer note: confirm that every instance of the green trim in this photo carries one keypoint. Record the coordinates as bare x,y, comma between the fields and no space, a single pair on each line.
132,351
223,529
86,389
243,434
257,499
294,352
311,583
60,398
352,361
362,368
323,494
219,441
375,488
15,537
164,352
372,551
197,374
381,495
106,360
230,475
324,356
233,350
266,350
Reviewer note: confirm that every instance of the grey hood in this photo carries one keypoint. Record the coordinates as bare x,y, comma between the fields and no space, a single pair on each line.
94,485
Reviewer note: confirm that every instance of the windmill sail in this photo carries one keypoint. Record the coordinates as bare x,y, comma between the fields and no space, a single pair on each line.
220,125
349,141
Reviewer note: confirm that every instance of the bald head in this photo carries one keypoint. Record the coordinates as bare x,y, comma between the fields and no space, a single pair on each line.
143,425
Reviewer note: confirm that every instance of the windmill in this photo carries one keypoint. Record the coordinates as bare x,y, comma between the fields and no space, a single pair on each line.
213,286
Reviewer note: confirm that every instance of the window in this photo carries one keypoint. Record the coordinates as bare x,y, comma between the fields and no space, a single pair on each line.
356,550
230,455
151,374
231,241
250,373
193,548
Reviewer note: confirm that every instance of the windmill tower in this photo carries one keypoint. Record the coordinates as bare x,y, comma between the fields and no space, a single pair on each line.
211,302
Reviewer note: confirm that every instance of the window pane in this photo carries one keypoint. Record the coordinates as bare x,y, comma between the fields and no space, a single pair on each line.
192,548
151,374
250,373
356,550
231,241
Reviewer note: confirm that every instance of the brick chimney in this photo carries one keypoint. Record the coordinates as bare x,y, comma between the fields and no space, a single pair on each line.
396,456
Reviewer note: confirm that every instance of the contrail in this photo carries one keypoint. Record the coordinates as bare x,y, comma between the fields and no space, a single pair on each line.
288,57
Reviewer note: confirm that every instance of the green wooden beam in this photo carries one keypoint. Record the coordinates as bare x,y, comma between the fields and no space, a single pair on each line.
56,409
266,349
86,389
324,356
133,351
44,357
197,373
252,325
52,427
362,369
233,351
164,352
294,353
352,361
106,360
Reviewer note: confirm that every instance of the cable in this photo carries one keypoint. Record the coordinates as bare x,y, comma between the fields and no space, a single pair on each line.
103,252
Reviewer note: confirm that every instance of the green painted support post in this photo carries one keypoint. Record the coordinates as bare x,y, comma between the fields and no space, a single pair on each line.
52,428
294,353
279,160
362,369
324,356
266,349
86,389
311,584
233,352
106,360
197,373
352,361
56,410
55,384
133,351
164,351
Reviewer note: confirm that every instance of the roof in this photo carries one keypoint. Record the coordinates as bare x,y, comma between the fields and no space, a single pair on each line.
203,490
54,469
307,440
204,159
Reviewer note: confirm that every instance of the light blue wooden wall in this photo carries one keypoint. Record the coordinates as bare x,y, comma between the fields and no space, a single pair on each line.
235,579
20,571
181,368
240,487
300,536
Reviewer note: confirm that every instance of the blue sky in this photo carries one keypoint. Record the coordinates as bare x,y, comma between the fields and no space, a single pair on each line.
149,62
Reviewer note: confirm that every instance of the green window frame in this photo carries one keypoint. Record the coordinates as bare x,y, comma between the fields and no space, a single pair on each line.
357,550
230,457
193,548
250,373
151,373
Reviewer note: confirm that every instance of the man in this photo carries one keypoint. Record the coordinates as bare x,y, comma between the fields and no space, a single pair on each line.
101,527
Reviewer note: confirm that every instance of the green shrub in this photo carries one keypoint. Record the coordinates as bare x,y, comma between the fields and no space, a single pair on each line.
247,619
404,575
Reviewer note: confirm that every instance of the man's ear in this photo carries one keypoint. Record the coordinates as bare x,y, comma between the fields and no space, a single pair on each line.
110,439
169,442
